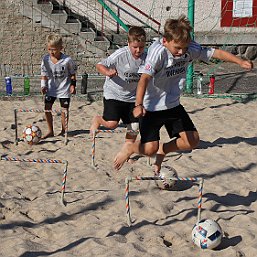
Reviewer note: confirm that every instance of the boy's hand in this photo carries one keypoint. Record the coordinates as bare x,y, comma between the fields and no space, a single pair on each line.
72,90
43,90
246,64
139,111
112,73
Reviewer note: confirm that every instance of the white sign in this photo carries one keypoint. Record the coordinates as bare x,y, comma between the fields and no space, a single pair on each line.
242,8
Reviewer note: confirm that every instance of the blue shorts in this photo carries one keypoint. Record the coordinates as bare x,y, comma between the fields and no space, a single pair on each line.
115,110
175,120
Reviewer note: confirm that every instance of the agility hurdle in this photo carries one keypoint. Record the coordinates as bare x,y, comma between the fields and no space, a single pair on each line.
64,178
105,131
40,111
193,179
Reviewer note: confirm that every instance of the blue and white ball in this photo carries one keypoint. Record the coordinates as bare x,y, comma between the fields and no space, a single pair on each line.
32,134
207,234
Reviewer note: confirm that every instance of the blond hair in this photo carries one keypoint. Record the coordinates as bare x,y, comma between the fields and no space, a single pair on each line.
54,39
178,30
136,33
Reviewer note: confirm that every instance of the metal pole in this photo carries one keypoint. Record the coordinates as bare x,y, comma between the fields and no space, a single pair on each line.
112,13
64,179
66,118
16,129
93,149
102,30
190,69
118,25
199,205
127,201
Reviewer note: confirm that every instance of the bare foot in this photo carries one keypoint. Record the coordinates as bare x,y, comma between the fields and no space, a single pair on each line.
130,160
95,125
123,155
49,134
158,160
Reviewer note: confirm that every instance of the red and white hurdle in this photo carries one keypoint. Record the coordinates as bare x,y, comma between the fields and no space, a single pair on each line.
64,178
39,111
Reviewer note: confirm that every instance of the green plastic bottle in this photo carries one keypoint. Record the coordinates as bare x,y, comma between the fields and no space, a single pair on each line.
26,85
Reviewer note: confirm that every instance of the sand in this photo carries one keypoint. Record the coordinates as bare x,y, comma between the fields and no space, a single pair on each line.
94,222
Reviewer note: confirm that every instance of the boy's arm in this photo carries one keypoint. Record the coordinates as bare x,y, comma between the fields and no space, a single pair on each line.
228,57
44,77
109,72
139,109
44,85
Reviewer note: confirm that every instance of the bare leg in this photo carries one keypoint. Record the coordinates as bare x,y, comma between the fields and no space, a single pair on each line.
132,139
49,120
129,148
187,141
98,121
159,159
64,112
126,151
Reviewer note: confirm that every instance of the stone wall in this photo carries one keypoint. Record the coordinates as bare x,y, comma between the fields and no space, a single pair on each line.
23,43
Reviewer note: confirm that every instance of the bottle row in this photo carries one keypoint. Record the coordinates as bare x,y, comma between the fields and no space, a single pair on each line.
200,81
26,84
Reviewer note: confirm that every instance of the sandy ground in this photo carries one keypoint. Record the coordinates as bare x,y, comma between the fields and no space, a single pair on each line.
94,222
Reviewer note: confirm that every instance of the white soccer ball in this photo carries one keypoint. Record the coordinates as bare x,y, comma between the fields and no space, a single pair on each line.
207,234
32,134
166,173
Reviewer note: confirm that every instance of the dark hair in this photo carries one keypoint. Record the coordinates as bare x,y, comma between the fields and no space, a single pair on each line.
136,33
178,30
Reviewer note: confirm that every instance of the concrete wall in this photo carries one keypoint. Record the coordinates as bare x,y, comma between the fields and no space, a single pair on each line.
207,18
23,43
22,40
23,31
207,21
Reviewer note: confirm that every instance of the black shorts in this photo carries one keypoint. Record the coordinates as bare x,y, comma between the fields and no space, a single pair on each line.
64,102
115,110
175,120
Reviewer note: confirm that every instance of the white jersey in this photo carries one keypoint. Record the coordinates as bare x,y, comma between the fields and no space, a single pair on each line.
123,86
58,75
168,74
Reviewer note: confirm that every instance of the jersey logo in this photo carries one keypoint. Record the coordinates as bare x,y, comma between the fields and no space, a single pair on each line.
148,67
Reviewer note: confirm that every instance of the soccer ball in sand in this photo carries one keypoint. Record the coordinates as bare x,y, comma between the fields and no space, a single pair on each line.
32,134
166,173
207,234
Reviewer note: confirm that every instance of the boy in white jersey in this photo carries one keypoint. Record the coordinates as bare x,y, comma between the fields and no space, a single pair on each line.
58,80
121,71
158,93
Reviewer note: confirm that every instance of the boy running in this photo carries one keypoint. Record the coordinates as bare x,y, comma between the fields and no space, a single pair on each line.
121,71
159,89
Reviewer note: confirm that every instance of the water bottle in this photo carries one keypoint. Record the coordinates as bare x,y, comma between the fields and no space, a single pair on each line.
8,83
211,85
199,84
84,83
26,85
